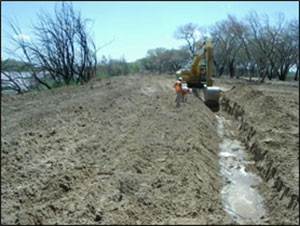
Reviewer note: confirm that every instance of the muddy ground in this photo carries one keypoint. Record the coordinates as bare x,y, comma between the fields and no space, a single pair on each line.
267,121
117,151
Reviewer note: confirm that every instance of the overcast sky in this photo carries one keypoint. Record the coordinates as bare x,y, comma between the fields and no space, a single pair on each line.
135,27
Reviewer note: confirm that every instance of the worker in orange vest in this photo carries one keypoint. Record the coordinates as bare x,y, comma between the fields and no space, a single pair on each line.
178,89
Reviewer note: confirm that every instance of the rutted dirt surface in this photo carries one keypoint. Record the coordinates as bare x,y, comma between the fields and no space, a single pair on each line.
117,151
114,151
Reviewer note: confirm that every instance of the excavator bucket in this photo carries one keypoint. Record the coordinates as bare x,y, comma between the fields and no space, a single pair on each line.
211,97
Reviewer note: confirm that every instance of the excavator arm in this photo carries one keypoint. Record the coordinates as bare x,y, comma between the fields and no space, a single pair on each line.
209,64
193,76
194,79
194,66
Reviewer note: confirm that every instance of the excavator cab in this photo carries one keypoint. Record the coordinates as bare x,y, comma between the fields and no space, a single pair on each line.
202,74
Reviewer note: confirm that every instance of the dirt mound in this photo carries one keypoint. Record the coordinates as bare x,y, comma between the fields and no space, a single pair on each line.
268,123
114,151
117,151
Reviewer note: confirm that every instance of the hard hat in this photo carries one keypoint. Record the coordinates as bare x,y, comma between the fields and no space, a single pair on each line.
180,78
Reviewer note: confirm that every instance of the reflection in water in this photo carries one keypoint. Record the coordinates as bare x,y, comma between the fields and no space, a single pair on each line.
240,198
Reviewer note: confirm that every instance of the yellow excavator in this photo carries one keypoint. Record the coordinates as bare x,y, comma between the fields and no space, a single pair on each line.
199,75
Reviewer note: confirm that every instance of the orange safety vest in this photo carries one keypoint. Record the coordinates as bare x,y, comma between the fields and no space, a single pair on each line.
177,86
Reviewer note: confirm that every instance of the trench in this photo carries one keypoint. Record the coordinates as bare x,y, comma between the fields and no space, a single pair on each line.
241,200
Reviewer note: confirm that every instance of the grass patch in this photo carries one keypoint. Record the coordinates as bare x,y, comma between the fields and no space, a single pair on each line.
102,75
6,88
54,84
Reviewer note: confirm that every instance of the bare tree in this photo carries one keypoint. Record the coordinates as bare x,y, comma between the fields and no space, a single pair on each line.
244,57
24,57
62,46
287,49
294,29
274,46
262,38
192,34
225,45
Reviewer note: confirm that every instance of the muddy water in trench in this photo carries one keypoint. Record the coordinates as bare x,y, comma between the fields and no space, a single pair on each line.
240,198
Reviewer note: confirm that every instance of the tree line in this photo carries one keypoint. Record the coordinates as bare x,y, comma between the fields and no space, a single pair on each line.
254,46
64,52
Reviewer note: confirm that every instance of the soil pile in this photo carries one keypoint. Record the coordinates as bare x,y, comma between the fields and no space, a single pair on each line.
114,151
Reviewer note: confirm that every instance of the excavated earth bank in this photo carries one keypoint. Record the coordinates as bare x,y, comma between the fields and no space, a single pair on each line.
117,151
267,121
